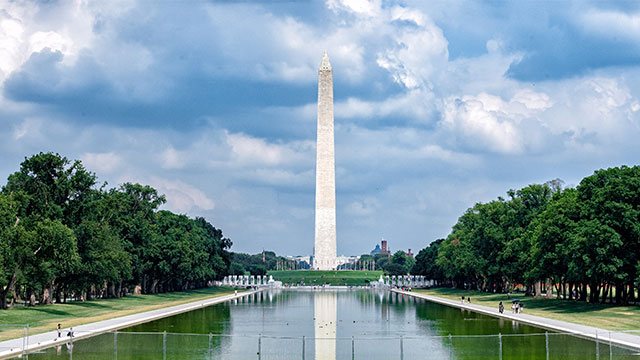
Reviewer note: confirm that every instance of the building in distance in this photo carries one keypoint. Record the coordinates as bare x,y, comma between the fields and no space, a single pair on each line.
381,249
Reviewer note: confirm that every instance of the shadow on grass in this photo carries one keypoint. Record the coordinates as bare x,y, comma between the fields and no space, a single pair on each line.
553,305
90,305
51,311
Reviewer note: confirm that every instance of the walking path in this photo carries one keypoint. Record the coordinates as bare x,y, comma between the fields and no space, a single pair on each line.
615,337
15,347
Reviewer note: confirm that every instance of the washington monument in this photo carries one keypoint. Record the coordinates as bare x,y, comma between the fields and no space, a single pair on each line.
324,257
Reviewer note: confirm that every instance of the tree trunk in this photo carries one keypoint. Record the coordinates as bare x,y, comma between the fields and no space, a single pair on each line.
154,285
46,296
7,289
112,290
57,293
605,292
558,286
618,286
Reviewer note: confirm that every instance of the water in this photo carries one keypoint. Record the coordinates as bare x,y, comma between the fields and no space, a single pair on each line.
333,324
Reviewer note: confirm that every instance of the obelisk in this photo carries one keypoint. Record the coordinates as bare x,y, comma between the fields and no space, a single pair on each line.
324,257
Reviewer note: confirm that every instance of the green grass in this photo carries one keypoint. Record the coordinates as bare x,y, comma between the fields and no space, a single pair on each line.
316,277
598,315
45,317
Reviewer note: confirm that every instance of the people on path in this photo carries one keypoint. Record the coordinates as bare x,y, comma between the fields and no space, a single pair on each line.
235,292
70,333
59,329
500,308
469,300
462,301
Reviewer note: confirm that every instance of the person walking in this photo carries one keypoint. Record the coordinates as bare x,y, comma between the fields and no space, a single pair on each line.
501,308
59,329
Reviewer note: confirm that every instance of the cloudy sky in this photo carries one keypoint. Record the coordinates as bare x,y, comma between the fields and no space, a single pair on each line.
439,105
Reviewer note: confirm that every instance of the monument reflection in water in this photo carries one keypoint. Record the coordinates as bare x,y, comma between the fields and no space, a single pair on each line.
325,309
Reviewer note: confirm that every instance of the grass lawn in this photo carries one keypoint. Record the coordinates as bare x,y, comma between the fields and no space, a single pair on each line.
316,277
46,317
602,316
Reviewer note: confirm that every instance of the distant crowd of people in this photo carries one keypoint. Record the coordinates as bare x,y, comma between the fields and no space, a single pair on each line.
516,307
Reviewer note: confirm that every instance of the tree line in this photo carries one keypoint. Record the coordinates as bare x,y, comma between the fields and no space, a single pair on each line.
582,243
261,263
64,236
398,263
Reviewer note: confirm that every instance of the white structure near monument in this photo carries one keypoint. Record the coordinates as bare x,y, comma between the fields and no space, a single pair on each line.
325,234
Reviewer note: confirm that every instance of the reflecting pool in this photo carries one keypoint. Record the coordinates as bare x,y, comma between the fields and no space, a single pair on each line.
333,324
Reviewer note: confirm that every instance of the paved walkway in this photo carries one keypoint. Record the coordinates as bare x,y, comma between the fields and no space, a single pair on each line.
15,347
620,338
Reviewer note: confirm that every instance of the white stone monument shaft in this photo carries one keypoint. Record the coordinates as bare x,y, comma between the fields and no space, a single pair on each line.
325,233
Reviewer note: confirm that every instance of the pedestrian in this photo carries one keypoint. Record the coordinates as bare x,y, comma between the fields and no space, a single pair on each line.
462,301
521,306
59,329
235,292
70,333
500,308
469,300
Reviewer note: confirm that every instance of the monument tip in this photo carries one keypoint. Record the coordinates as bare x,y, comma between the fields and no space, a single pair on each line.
325,64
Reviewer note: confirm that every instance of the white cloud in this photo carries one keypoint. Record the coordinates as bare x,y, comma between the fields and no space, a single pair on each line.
368,8
364,207
172,158
416,104
28,127
612,23
250,150
181,197
49,39
418,53
101,163
26,28
488,122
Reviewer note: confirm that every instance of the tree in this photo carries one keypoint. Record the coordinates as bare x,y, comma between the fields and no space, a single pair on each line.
552,235
612,198
394,269
217,247
52,254
60,235
257,270
9,247
130,211
426,262
49,186
400,264
103,259
236,268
